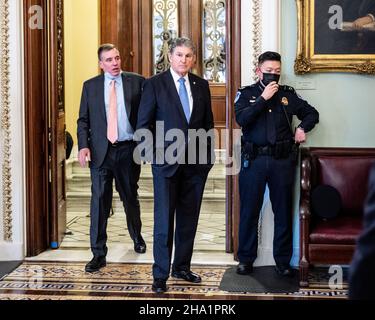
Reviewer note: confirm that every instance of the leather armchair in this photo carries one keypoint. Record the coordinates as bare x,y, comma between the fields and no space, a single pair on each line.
332,241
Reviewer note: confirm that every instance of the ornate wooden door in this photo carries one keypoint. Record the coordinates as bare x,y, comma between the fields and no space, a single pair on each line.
44,127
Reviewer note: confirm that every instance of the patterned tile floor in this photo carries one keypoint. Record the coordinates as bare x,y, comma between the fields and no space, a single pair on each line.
210,234
68,281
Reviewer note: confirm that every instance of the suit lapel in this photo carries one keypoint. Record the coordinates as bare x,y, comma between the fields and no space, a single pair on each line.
195,93
171,87
126,84
101,99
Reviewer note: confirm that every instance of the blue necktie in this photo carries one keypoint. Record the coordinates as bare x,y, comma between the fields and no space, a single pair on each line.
184,98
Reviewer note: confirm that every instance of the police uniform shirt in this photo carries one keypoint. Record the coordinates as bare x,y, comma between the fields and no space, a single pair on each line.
251,113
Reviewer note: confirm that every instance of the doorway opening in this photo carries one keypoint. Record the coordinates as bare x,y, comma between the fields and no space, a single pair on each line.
142,31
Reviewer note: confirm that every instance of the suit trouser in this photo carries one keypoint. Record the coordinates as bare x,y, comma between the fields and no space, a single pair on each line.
119,165
179,195
279,175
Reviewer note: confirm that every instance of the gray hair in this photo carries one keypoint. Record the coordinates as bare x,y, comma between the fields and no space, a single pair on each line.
104,48
182,42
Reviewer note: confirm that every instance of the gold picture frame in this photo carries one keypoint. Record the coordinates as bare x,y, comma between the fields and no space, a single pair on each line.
312,56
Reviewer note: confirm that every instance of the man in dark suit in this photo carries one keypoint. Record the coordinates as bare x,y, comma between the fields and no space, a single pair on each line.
177,100
362,269
107,119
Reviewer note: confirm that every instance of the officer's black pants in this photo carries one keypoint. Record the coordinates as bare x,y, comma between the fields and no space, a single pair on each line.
279,175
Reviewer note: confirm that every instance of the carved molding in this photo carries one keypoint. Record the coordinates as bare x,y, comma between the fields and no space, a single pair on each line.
60,55
367,67
302,65
257,34
257,50
6,183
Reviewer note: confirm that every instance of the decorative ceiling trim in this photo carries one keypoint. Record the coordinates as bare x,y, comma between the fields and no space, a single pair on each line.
6,178
257,35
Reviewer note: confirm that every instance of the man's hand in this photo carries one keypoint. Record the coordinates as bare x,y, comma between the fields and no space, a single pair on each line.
270,90
360,22
300,136
84,156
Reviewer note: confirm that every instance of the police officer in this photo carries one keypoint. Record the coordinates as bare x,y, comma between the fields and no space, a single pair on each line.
265,110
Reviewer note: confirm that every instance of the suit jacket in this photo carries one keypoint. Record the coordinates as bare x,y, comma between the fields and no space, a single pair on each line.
362,269
367,6
92,121
161,102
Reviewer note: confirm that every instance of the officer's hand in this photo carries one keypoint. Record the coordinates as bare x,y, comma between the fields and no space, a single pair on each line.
84,156
270,90
300,136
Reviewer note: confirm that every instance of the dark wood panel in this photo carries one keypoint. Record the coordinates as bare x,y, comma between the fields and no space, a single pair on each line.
233,83
128,25
144,41
36,133
109,23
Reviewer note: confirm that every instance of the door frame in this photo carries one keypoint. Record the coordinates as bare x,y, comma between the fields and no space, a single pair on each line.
43,83
37,84
233,84
36,132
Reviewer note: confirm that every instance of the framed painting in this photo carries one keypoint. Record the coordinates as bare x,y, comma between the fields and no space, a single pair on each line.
336,36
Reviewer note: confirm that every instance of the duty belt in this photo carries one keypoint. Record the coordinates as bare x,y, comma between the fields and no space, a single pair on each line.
266,151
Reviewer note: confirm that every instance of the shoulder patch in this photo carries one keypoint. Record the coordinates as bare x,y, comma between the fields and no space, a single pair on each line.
238,95
288,88
246,87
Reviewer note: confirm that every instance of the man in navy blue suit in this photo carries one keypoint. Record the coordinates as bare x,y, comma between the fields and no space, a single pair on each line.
362,269
180,101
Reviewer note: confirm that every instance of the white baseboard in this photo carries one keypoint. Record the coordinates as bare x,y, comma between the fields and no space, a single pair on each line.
11,251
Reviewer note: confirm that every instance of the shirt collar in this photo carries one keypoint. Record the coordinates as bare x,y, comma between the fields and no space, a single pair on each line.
110,77
177,77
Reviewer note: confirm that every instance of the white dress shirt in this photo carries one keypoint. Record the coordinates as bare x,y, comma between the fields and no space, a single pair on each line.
176,77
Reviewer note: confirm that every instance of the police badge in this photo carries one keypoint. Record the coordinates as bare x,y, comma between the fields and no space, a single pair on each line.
285,101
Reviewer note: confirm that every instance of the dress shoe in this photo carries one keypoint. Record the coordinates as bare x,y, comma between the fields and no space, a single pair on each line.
187,276
284,271
139,245
95,264
244,268
159,286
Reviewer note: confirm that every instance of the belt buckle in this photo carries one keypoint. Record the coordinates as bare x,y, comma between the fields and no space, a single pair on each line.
115,145
264,149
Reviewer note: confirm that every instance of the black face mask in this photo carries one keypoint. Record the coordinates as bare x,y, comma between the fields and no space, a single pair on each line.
270,77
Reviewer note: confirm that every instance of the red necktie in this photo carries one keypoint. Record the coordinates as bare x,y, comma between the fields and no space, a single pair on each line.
112,133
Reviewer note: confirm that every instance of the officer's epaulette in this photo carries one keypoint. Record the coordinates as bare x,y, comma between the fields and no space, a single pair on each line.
288,88
246,87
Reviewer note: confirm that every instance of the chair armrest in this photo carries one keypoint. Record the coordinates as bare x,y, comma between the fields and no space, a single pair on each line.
305,215
304,207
